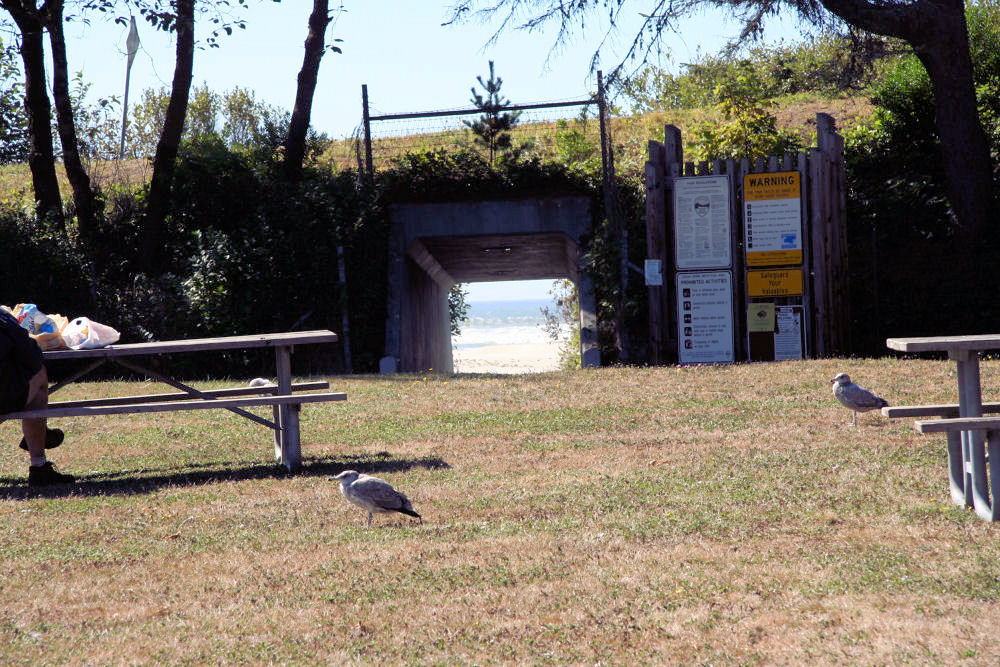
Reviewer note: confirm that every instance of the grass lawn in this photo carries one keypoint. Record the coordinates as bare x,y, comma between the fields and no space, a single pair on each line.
723,515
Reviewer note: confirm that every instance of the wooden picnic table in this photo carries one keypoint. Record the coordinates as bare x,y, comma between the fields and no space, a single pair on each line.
280,396
969,433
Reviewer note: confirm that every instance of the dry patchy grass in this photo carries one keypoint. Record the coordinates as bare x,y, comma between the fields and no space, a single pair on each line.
725,515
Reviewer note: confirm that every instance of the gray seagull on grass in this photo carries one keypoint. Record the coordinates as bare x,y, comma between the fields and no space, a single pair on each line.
858,399
373,494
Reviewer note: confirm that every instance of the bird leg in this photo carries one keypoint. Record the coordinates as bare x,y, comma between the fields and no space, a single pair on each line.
369,519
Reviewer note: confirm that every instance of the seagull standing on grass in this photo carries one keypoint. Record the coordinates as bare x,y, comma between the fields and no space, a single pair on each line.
373,494
858,399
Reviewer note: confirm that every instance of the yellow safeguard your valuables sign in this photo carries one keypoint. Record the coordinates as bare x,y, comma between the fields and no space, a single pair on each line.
772,218
778,282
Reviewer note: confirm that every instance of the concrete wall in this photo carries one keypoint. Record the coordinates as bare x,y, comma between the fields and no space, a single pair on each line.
434,246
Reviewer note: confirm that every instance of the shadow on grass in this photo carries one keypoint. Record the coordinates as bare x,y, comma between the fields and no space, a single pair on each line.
150,480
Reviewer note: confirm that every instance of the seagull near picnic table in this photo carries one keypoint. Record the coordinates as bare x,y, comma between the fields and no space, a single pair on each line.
373,494
858,399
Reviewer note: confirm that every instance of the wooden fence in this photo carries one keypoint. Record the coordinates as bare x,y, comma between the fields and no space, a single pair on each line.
822,175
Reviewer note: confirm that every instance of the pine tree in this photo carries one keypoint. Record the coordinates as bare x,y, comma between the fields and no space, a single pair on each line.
492,129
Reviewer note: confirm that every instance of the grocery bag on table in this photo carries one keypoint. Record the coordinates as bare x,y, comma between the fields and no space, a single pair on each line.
86,334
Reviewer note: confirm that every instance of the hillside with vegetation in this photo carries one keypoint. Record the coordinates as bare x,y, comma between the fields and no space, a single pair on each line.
237,226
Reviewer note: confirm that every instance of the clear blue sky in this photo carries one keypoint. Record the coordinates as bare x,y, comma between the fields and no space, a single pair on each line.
399,48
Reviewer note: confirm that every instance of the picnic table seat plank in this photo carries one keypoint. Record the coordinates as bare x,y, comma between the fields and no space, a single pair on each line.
181,396
957,424
171,406
944,410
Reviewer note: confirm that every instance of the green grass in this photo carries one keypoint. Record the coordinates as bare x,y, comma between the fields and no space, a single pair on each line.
725,515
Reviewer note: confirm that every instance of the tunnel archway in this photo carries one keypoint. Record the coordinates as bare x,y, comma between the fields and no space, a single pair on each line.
434,246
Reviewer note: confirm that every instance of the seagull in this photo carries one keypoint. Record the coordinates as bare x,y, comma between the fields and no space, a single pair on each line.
373,494
854,397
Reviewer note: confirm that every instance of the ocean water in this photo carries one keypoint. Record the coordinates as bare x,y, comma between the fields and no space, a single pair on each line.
504,323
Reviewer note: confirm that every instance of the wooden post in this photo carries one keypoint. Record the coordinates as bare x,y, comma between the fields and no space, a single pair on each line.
674,159
656,223
802,166
345,331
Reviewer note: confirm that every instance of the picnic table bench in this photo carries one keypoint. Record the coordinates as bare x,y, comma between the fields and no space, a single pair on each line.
973,440
284,397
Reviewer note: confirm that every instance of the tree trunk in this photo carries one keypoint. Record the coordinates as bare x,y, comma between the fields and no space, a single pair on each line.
295,144
41,157
82,196
170,138
939,35
966,152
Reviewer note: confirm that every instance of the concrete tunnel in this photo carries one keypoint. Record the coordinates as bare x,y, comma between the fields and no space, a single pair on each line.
433,246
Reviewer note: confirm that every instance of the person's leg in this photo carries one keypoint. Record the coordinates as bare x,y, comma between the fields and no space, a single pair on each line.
38,399
41,472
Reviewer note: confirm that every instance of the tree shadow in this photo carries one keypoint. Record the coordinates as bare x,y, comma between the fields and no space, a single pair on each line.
200,474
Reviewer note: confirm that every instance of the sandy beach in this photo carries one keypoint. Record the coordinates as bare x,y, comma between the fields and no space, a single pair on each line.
507,359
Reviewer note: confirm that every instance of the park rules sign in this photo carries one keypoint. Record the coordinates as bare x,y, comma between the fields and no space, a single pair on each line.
772,218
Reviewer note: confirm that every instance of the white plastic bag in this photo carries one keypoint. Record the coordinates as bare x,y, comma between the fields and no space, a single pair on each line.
85,334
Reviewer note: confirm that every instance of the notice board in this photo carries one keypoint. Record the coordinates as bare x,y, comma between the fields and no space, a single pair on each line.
702,228
705,317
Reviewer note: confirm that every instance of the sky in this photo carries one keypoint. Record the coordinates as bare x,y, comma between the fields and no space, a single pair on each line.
399,48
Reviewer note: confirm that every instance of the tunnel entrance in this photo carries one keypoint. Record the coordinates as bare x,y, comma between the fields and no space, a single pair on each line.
434,246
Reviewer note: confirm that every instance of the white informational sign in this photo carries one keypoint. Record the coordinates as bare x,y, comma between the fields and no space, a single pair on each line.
702,238
654,273
772,219
705,317
788,333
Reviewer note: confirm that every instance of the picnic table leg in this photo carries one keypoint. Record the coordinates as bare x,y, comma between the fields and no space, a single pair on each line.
970,404
993,444
957,470
288,432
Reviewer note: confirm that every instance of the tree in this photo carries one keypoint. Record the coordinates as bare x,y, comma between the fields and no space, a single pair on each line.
492,129
165,159
41,156
935,29
83,198
295,144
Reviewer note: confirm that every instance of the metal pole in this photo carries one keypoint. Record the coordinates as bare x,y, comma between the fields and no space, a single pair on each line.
368,131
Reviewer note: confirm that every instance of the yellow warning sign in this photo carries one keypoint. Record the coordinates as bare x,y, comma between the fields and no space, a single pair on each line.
776,185
772,218
779,282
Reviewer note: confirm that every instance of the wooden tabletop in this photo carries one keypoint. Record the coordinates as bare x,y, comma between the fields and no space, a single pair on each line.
977,342
199,344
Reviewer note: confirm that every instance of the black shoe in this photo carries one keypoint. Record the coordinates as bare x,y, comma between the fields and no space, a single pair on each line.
47,475
53,438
